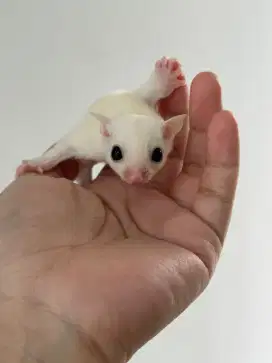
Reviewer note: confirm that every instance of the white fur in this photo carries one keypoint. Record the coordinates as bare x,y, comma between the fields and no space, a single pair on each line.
133,122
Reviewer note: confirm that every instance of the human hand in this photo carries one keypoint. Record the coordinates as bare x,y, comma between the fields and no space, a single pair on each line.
104,269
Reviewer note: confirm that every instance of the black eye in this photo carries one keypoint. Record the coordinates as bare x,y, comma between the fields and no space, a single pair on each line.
157,155
116,153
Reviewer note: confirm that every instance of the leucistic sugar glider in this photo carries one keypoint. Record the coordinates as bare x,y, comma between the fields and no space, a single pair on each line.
122,129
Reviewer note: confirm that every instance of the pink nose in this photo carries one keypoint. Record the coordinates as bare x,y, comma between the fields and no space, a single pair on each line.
132,176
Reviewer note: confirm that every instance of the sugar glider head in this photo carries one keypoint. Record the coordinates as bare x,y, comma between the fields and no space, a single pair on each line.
137,146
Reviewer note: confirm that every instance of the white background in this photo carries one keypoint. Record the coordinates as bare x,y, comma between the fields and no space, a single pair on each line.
56,56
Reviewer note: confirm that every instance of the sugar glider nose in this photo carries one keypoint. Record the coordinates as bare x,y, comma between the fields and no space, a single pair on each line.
133,176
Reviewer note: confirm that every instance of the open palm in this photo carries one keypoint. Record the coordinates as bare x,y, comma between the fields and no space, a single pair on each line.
161,243
144,253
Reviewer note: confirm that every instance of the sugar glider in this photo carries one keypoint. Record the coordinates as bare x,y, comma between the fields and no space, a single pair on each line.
122,129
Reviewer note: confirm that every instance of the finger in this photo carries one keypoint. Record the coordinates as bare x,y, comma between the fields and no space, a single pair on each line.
214,198
205,101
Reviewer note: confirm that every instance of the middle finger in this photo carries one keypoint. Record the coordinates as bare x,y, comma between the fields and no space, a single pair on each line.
205,101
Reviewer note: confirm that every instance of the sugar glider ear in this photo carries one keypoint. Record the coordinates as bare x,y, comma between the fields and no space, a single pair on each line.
104,123
172,126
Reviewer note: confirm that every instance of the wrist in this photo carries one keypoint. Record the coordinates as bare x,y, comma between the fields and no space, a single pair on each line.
29,333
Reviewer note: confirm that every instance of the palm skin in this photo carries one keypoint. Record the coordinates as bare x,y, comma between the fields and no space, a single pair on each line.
120,262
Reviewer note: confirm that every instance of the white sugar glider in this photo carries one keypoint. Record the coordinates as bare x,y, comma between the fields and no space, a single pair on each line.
122,129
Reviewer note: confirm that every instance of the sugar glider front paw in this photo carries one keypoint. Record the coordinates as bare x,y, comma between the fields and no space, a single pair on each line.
25,168
169,74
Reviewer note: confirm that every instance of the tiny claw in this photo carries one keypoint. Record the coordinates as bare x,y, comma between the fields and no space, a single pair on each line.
175,65
170,74
25,168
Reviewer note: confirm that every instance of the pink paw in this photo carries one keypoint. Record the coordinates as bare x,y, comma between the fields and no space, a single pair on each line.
170,73
25,168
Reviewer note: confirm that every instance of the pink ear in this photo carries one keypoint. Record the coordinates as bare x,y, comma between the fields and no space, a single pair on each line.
104,123
173,126
166,131
104,131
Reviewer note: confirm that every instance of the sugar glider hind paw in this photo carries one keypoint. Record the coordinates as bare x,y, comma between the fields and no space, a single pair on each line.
169,73
25,168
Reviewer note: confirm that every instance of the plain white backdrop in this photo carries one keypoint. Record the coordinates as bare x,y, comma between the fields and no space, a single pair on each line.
56,56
